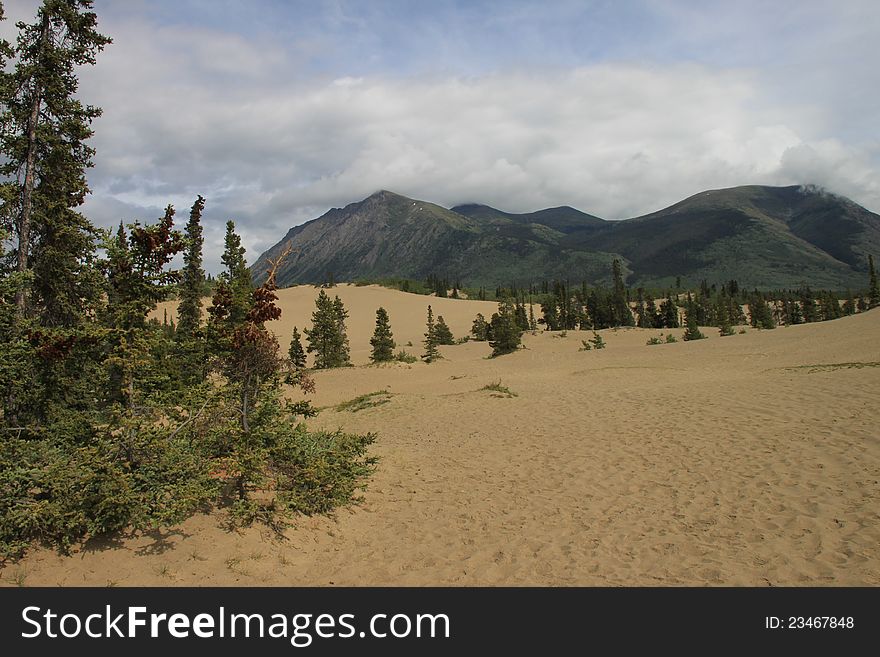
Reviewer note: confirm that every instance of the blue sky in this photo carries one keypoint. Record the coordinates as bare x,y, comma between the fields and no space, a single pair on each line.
277,111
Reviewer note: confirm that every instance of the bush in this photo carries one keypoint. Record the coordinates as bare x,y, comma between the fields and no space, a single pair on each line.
670,338
404,356
654,340
317,471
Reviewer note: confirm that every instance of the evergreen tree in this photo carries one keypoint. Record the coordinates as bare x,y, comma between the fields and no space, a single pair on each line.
43,158
192,356
296,353
873,287
236,277
849,306
382,340
137,280
652,319
551,315
760,312
327,337
431,352
808,306
522,319
692,330
533,325
725,326
189,312
444,334
830,307
340,314
480,328
669,312
506,334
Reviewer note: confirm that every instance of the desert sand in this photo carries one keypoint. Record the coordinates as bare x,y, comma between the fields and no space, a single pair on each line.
751,460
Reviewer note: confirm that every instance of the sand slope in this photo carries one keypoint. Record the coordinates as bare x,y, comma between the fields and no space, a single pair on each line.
734,461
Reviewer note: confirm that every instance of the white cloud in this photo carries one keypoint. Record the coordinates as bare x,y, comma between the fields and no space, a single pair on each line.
200,111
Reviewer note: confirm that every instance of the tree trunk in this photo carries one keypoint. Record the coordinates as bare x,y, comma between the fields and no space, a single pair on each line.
24,224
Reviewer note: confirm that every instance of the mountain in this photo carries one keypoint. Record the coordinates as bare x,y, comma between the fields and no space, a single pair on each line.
388,235
761,236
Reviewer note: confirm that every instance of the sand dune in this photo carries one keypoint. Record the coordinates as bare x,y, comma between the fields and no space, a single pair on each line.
747,460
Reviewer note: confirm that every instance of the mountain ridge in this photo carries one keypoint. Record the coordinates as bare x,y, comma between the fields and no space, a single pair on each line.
762,236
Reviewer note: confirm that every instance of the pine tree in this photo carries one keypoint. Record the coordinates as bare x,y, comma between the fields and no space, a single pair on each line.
137,280
849,306
873,287
506,334
760,312
725,327
669,313
431,352
43,157
651,318
189,312
808,306
533,325
236,277
480,328
382,340
191,348
692,330
327,338
296,353
443,333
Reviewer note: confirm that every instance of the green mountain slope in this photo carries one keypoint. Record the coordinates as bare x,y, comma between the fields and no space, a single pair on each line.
761,236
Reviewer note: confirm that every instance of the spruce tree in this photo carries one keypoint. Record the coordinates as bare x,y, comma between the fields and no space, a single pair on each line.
382,340
506,334
760,312
669,313
444,334
849,306
340,314
808,306
873,287
296,353
725,327
191,347
480,328
692,330
43,158
236,277
189,312
431,352
327,337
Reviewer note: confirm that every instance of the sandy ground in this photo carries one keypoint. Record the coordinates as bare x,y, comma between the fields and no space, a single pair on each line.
747,460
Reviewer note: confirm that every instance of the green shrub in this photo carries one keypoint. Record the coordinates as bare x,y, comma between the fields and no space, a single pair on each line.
368,400
654,340
404,356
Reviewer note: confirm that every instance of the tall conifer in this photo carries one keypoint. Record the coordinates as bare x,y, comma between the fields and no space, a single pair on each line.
431,352
43,157
382,340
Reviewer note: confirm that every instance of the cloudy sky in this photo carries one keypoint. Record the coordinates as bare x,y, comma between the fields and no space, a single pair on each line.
278,110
